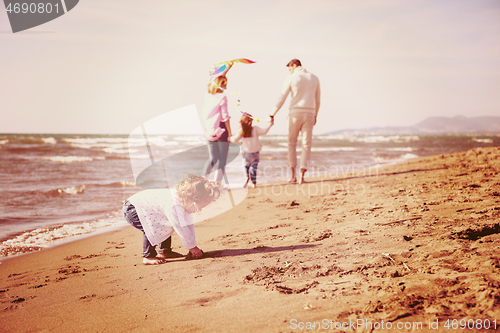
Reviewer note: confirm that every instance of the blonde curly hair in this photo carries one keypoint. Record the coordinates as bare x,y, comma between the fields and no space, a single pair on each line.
218,85
193,189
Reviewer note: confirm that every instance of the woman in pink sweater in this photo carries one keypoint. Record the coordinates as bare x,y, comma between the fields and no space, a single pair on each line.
216,126
250,145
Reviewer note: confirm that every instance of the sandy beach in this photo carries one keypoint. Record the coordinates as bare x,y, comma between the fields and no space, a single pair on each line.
413,244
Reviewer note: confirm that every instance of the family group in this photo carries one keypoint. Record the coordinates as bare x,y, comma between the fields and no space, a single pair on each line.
305,92
158,213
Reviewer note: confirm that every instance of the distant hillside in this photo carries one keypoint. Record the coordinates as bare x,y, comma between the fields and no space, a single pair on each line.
435,125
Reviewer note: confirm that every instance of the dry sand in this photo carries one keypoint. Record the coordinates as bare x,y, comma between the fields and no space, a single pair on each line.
413,243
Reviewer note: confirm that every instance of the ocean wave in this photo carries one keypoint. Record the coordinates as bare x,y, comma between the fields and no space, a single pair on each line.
120,145
126,183
409,156
43,238
334,149
399,149
70,159
483,140
164,144
154,140
379,160
34,198
114,150
332,137
74,190
360,138
102,143
123,183
391,160
68,190
28,139
49,140
313,149
383,138
107,148
369,138
116,157
159,138
96,141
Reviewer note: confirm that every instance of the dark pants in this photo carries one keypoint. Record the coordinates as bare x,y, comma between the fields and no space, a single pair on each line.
148,250
218,152
250,162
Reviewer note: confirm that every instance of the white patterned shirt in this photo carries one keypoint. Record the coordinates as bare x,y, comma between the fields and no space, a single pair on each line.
161,213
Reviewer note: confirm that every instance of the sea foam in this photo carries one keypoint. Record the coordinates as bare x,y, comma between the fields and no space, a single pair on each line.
43,238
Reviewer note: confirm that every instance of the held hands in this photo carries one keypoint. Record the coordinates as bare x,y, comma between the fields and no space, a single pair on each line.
272,119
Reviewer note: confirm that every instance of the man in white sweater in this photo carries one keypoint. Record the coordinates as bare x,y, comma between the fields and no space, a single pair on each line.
304,106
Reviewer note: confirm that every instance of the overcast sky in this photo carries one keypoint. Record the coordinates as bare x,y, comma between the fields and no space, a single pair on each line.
107,66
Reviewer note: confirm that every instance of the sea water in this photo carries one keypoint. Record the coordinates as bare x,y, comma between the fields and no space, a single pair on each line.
55,187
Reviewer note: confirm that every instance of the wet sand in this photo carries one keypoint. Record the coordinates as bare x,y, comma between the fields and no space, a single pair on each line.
411,243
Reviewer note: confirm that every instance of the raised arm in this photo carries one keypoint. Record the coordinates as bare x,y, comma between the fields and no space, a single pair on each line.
228,65
263,131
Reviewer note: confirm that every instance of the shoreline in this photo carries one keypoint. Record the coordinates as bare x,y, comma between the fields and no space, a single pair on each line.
65,240
70,237
388,150
418,244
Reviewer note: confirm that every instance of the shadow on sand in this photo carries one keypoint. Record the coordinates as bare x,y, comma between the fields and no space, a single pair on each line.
254,250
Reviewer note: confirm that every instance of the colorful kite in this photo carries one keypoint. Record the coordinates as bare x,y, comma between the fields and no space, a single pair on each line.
221,67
